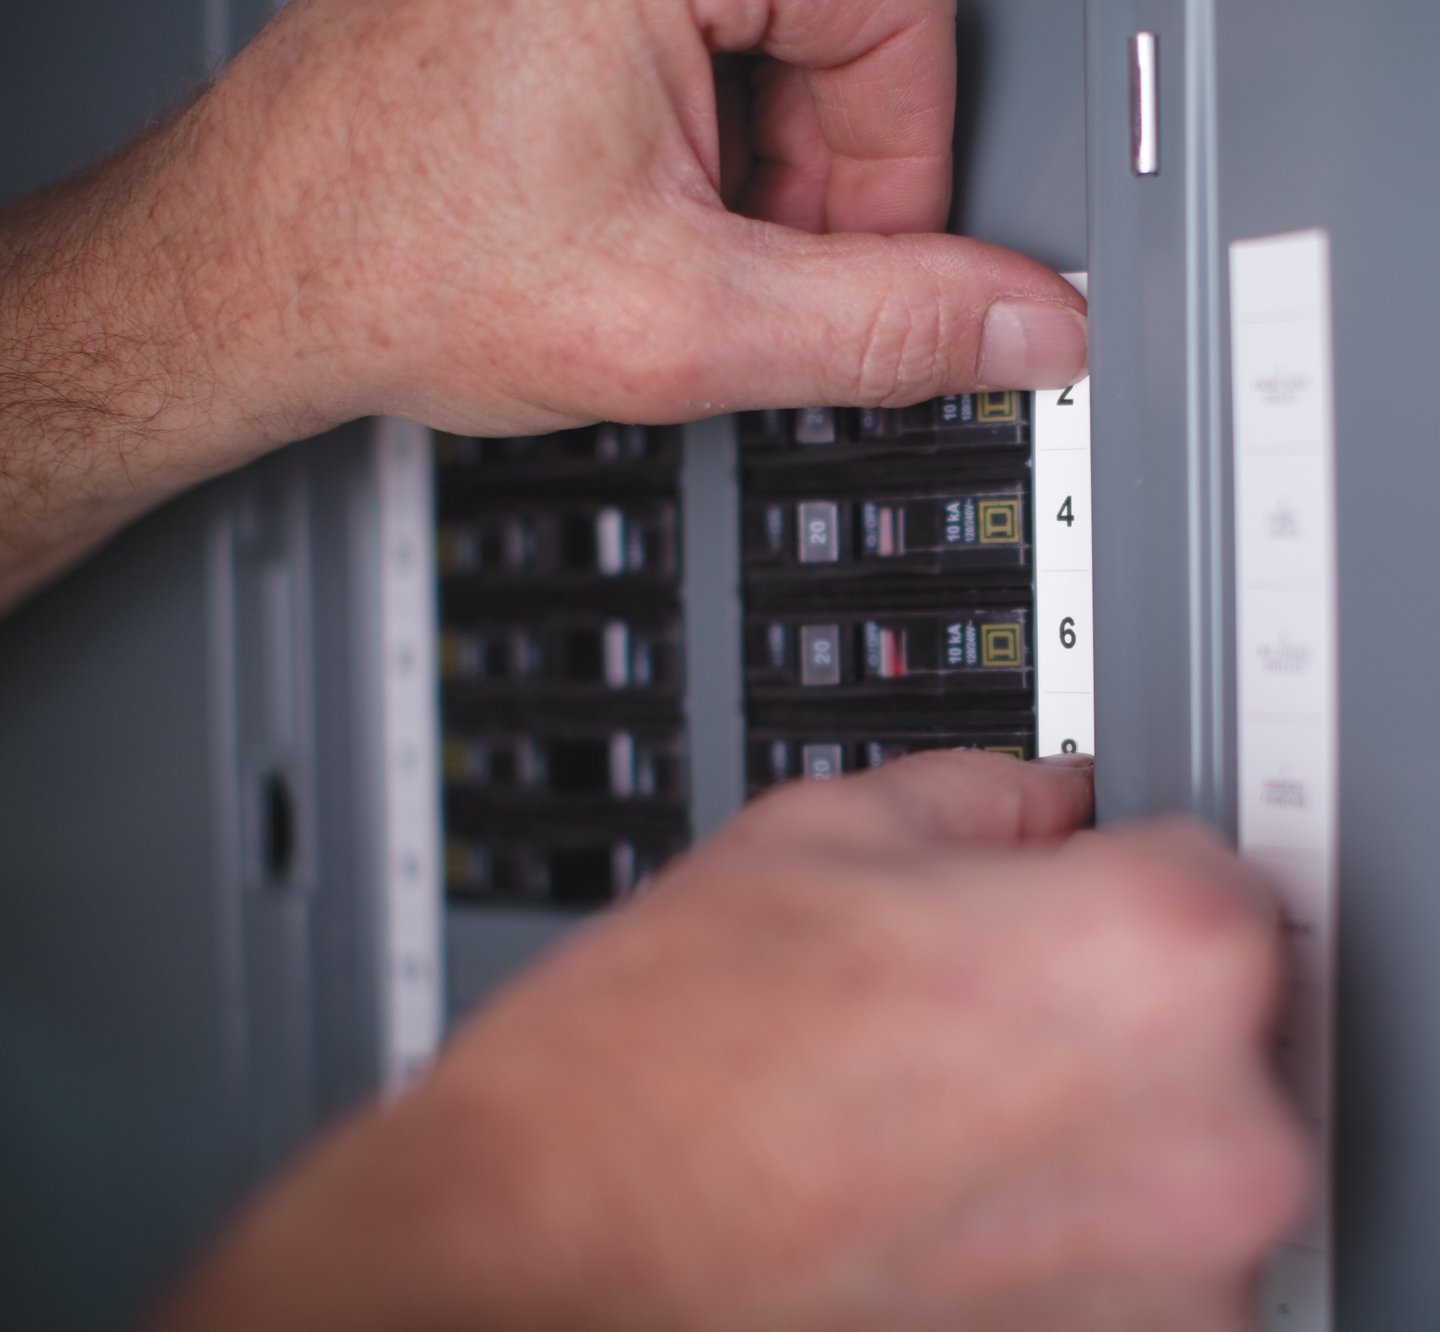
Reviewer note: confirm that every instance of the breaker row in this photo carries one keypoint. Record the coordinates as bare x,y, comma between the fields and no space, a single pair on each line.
886,581
562,675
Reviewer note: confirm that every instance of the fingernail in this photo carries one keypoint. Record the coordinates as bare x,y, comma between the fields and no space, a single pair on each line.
1067,760
1031,344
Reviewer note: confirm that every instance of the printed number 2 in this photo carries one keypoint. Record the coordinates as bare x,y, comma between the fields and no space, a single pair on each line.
1067,513
1065,399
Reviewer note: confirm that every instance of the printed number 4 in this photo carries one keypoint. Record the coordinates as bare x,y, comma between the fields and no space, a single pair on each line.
1067,513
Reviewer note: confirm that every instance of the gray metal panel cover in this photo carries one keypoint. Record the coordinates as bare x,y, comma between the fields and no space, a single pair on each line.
174,1015
1161,678
1288,115
1327,115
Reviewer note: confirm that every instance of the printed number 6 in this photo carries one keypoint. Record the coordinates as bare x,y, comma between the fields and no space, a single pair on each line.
1067,632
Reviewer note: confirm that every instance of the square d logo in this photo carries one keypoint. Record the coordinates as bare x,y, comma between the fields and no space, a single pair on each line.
999,522
997,406
1000,645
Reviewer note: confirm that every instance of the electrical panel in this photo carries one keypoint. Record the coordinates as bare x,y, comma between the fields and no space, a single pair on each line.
580,654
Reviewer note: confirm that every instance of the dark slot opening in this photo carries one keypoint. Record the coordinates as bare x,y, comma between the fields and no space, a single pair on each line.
582,654
277,807
582,877
579,545
580,767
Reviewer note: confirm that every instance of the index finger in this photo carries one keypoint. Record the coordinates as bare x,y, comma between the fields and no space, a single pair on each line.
939,797
881,79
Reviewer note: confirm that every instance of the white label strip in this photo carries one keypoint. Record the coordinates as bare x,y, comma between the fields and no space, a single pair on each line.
1286,688
411,908
1064,595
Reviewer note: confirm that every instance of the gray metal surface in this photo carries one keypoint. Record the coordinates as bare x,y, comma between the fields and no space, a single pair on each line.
1275,117
1162,680
714,714
1020,128
176,1015
1326,112
182,1000
117,1108
82,77
484,946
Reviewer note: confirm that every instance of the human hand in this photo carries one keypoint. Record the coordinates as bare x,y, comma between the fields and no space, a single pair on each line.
503,219
884,1054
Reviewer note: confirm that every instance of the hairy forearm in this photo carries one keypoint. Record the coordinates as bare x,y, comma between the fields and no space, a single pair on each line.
90,364
497,219
147,338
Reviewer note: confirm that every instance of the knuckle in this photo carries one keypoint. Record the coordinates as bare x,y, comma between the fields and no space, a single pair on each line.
1191,941
657,358
1013,807
967,770
982,797
1280,1186
656,369
991,800
799,808
1258,1191
899,357
1180,906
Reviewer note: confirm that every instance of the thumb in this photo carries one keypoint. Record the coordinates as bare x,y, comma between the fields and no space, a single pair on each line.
865,321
